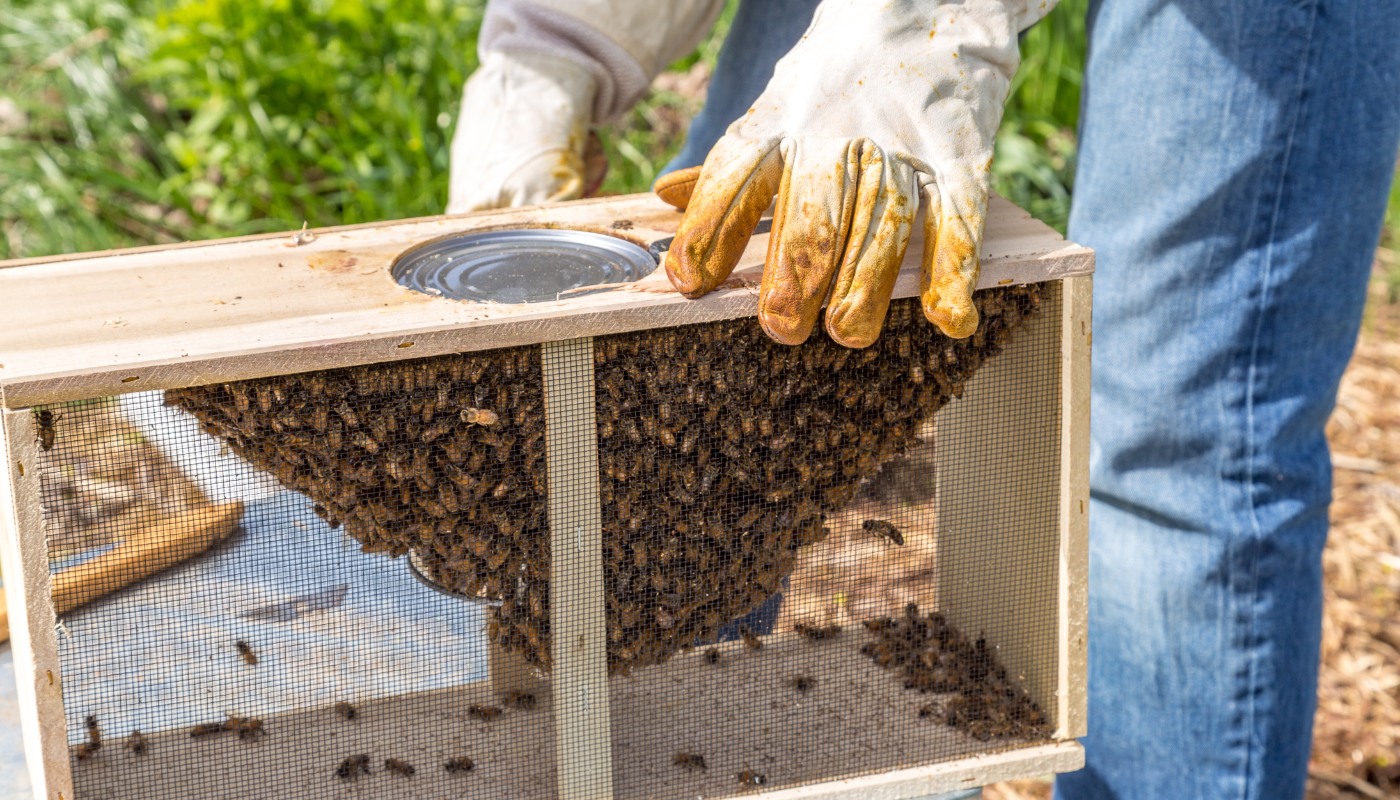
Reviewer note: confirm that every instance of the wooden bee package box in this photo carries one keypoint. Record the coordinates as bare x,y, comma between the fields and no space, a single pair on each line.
280,516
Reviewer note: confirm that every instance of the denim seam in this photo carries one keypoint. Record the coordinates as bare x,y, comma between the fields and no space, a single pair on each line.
1250,434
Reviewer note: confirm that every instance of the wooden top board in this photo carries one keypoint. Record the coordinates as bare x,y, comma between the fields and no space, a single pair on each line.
90,325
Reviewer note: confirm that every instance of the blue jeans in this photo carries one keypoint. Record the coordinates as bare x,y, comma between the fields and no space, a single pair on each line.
1234,164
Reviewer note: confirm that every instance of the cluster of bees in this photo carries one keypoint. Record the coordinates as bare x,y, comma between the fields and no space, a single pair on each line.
719,453
933,656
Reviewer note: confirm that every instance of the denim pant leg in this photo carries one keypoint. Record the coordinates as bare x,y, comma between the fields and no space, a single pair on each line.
1233,176
763,31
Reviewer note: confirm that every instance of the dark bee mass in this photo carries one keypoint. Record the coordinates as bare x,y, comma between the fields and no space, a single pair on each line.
691,761
246,650
486,713
353,767
346,711
883,529
818,633
802,683
750,778
459,765
934,656
720,453
401,767
136,743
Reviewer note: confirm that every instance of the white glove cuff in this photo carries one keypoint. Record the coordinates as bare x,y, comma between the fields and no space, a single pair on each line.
527,27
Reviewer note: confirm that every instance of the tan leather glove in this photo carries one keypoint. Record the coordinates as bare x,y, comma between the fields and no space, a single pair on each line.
876,106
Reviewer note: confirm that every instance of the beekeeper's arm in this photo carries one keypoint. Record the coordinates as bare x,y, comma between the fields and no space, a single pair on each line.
549,69
878,106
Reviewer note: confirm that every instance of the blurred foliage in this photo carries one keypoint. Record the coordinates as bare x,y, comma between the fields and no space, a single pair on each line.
142,121
1388,254
159,120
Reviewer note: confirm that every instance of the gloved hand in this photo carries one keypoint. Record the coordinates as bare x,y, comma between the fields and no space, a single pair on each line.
521,132
546,74
875,106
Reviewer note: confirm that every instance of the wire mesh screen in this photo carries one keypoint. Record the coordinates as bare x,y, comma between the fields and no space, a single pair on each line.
670,563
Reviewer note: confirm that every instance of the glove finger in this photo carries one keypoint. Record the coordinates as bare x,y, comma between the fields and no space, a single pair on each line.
953,223
676,187
810,226
736,184
881,224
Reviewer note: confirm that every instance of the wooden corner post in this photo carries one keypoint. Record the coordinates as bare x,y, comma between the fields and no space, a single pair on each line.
1077,336
34,642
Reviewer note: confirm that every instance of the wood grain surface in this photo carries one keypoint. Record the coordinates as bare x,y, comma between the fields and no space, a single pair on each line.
82,326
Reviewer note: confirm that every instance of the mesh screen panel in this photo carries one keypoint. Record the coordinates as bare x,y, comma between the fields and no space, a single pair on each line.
671,563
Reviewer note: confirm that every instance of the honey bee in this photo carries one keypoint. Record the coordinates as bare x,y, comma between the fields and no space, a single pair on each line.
459,766
926,711
346,711
46,419
244,649
751,641
401,767
208,729
479,416
94,733
817,633
712,656
136,743
484,713
802,683
691,761
523,701
353,767
750,778
86,750
249,729
883,529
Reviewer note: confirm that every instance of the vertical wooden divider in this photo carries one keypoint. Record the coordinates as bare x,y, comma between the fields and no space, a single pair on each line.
1073,654
578,620
34,642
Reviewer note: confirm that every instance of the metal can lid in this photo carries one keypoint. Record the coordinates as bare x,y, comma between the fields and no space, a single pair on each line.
416,568
521,266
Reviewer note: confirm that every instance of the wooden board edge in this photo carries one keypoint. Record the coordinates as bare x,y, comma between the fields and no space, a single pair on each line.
578,620
253,237
949,776
1073,628
34,641
399,345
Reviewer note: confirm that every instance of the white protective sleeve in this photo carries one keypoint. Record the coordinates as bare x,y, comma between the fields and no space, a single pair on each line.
642,37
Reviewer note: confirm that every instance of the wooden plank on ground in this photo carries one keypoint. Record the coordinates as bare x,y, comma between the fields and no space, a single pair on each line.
155,318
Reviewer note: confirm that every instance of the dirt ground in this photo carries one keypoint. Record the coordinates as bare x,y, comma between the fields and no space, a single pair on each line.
1356,737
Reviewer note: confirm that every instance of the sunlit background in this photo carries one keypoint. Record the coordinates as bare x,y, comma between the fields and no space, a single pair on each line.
132,122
